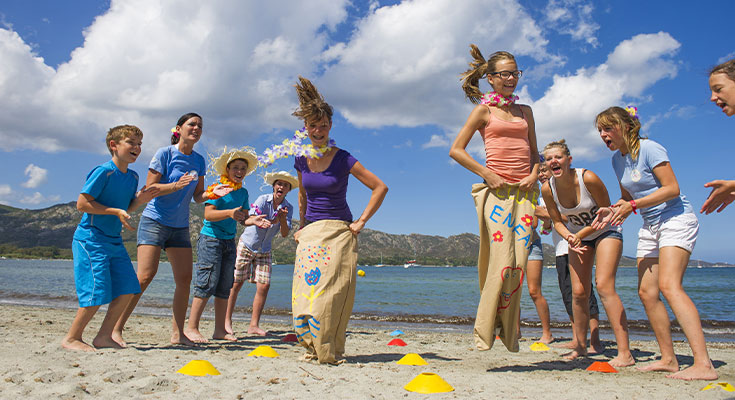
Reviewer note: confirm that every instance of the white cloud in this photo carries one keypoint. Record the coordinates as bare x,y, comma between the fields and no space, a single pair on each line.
36,176
37,198
573,18
6,194
726,58
437,141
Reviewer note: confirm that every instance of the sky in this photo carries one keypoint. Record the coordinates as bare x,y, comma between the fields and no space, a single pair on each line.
390,69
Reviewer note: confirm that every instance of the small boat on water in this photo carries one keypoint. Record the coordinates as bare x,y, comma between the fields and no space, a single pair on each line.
411,263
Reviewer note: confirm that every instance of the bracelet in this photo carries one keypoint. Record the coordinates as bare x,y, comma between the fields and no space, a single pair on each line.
635,208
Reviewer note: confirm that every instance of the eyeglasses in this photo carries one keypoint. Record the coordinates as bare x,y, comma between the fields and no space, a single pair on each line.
506,74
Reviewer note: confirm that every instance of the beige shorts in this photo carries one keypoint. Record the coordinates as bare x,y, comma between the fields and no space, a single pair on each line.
252,266
680,231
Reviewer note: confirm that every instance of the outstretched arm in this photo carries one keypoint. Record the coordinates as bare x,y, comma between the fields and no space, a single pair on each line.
379,190
722,194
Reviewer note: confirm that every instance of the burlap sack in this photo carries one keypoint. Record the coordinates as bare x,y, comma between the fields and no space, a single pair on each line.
323,290
505,216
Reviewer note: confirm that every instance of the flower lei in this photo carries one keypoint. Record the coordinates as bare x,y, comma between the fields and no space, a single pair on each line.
496,99
293,147
633,111
224,180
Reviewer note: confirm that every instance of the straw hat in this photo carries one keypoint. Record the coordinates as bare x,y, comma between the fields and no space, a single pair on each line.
271,178
246,153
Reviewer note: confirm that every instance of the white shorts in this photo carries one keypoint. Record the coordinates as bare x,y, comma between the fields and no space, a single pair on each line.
680,231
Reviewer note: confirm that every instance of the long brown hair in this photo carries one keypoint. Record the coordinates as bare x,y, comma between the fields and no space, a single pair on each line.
630,126
312,106
479,68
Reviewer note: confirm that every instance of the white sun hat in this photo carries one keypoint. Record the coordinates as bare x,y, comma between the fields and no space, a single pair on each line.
247,153
271,177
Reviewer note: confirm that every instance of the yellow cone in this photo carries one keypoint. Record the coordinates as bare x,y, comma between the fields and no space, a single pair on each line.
428,383
538,346
263,351
360,272
724,385
412,359
198,368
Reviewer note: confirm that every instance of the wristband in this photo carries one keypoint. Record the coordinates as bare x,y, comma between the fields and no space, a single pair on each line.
635,208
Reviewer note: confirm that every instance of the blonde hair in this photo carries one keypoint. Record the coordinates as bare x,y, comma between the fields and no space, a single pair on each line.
727,68
630,126
560,144
479,68
312,106
121,132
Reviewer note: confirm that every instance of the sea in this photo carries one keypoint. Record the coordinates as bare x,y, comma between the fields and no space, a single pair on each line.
393,297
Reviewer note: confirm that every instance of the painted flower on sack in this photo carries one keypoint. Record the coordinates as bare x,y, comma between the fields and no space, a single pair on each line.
527,219
497,237
312,277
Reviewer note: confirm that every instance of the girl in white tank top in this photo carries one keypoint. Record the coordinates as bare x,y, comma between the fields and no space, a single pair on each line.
578,194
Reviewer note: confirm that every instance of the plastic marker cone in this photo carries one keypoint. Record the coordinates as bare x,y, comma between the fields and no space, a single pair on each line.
396,342
601,366
724,385
263,351
360,272
538,346
291,337
396,332
412,359
198,368
428,383
497,337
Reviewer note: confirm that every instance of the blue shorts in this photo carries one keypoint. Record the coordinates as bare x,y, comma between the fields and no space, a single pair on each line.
215,268
609,234
537,251
102,272
154,233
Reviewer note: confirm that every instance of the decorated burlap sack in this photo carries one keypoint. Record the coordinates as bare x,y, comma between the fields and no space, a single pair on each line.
323,290
505,217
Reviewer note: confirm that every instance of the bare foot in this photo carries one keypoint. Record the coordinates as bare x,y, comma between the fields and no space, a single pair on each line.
195,336
117,337
228,327
74,344
105,342
177,338
706,373
595,348
574,354
255,330
224,336
659,365
622,360
566,345
546,339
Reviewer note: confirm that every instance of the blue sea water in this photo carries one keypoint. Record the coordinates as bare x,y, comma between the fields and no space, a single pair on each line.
436,297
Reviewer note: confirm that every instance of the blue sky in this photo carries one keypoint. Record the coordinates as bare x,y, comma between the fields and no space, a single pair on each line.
71,70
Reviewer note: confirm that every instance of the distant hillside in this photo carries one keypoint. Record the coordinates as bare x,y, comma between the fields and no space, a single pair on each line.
47,233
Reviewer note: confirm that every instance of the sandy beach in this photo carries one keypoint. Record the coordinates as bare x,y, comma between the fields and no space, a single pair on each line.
35,366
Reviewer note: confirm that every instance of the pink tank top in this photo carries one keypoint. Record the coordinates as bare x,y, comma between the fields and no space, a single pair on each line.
507,150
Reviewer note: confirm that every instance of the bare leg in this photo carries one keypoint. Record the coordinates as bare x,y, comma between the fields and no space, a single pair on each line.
73,339
261,292
148,257
648,291
231,301
195,314
114,309
181,265
533,280
672,265
595,346
220,309
608,254
581,273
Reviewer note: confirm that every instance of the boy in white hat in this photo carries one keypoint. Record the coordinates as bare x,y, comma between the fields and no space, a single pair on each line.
227,205
254,249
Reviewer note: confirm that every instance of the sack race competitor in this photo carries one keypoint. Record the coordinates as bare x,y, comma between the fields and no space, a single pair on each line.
505,216
323,290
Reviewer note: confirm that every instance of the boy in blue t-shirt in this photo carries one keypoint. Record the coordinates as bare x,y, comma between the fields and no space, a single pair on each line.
227,205
103,272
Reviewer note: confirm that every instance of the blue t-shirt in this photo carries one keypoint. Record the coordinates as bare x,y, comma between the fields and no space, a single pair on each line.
172,210
112,188
638,179
226,228
257,239
326,191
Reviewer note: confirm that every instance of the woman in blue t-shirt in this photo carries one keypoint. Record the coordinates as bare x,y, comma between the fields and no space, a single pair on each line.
665,241
178,171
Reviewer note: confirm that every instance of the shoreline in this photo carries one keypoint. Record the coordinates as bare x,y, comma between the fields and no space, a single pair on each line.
35,365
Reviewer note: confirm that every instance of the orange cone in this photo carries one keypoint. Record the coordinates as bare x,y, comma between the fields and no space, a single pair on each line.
601,366
396,342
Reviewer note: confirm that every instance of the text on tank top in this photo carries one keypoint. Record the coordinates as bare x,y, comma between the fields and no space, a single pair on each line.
584,212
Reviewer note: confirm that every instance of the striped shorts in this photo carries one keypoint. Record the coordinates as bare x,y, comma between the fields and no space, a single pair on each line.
252,266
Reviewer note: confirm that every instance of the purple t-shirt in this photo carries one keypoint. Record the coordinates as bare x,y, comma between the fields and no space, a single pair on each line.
326,191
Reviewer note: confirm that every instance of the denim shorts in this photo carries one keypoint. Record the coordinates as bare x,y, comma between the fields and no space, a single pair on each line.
537,251
154,233
215,267
615,234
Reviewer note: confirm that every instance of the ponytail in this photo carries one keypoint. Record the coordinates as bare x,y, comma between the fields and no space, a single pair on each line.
312,106
479,68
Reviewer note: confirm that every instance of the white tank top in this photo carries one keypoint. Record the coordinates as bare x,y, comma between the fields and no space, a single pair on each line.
583,213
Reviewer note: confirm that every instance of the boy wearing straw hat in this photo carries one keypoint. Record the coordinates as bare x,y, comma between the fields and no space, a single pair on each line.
254,249
227,205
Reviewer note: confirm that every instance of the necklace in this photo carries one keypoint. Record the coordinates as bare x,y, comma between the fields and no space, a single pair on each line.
496,99
223,180
294,147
